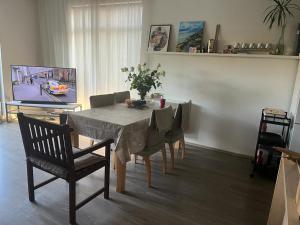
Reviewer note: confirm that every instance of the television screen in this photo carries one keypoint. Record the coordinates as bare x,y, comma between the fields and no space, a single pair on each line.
44,84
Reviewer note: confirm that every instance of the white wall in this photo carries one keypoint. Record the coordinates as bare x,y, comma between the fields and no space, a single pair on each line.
228,95
19,36
228,92
241,20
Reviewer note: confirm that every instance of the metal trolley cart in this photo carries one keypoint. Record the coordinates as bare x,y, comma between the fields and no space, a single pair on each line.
265,157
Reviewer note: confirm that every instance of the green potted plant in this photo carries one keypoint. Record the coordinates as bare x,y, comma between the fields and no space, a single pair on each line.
278,13
143,79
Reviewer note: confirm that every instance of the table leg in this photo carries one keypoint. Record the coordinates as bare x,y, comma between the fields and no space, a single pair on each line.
6,110
121,175
75,139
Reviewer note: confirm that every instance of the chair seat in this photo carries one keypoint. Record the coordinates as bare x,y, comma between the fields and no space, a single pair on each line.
174,135
49,167
150,150
81,164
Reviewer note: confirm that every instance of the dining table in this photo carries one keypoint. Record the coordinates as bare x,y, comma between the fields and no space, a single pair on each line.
126,126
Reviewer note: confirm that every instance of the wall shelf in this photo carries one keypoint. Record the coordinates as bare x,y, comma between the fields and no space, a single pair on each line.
227,55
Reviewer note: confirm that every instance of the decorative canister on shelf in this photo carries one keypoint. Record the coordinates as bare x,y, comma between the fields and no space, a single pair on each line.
211,44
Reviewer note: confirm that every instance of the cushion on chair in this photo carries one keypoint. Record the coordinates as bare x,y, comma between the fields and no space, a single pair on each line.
150,150
87,160
81,164
88,164
49,167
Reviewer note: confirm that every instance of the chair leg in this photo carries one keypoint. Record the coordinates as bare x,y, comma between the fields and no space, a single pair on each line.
72,201
106,181
183,148
92,142
30,181
179,146
178,151
172,151
148,168
164,161
114,159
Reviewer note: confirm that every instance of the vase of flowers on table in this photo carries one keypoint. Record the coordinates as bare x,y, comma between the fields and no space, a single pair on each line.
143,79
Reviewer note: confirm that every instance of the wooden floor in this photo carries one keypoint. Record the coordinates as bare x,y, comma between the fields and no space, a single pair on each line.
207,188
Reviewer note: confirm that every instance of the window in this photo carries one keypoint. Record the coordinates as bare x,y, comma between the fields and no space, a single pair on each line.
105,37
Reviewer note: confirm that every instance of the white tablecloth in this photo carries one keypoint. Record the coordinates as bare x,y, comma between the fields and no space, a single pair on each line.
127,126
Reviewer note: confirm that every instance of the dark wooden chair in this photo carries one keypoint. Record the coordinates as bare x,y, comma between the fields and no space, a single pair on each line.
48,147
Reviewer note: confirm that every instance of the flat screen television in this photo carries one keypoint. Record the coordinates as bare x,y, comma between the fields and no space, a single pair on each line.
35,84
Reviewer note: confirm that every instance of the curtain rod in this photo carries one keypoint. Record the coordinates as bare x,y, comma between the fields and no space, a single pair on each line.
108,4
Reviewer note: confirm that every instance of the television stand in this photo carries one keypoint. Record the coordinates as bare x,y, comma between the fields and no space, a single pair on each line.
50,111
44,103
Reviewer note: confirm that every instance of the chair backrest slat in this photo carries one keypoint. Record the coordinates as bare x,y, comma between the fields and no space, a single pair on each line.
37,138
55,145
43,143
47,141
62,146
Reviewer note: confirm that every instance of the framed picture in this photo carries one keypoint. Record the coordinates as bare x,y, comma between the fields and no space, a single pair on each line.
159,38
190,35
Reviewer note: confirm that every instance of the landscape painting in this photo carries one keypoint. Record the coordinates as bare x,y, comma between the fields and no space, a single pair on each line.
190,35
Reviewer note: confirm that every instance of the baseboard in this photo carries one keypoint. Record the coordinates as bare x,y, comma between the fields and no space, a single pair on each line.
190,144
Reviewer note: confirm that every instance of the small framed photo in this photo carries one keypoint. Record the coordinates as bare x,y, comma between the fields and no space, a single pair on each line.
159,38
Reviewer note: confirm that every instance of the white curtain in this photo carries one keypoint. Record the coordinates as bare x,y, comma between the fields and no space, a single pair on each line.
55,20
106,35
97,37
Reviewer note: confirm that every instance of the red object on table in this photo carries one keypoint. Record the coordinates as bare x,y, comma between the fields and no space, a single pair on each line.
162,103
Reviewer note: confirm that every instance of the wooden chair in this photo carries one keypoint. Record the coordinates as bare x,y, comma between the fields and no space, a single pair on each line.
177,132
97,101
120,97
155,142
48,147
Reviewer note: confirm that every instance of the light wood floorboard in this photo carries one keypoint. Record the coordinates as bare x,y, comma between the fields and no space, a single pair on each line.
207,188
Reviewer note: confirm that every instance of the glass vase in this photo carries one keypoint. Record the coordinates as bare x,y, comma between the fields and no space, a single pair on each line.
279,49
